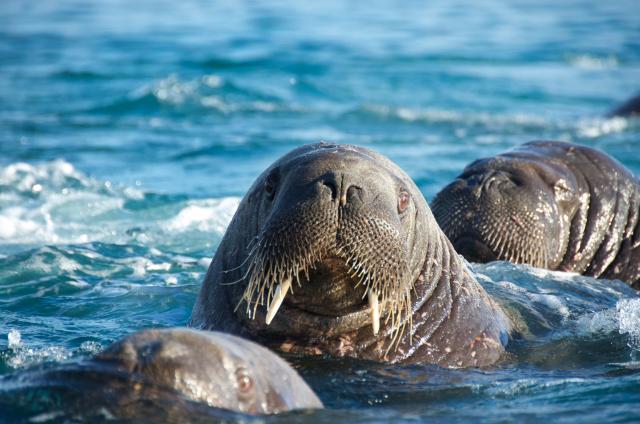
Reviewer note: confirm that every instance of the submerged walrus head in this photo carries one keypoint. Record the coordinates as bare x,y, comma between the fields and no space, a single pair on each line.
328,241
516,206
172,375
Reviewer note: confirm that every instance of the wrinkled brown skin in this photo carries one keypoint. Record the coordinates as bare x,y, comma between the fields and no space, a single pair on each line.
176,372
348,196
553,205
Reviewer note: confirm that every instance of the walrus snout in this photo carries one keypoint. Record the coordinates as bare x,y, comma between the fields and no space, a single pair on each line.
510,207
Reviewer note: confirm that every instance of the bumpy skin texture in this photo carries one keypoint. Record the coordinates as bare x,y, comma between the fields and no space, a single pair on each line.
342,221
548,204
165,375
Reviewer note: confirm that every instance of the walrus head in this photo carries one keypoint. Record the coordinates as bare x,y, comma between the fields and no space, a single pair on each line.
323,244
512,207
215,369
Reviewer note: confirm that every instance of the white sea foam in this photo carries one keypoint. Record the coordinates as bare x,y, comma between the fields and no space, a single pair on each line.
592,128
204,262
173,91
70,207
205,215
25,177
433,115
600,322
553,302
623,319
205,92
629,320
593,62
13,338
21,355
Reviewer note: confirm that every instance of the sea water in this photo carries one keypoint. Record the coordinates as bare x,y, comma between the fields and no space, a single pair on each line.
129,131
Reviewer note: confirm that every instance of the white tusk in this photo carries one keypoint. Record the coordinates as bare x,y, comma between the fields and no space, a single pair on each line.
374,310
276,301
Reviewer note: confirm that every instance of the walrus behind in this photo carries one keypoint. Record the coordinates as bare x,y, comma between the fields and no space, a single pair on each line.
334,251
171,375
630,108
548,204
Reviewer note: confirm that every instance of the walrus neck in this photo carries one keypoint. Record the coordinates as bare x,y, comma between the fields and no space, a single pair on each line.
447,295
605,230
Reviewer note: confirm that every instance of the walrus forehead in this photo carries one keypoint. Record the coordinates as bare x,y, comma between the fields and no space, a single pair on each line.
339,158
333,155
309,150
527,167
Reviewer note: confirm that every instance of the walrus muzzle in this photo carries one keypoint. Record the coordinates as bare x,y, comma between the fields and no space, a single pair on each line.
334,251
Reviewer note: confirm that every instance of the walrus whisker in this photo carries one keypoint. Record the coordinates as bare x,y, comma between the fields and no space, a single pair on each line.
226,271
249,269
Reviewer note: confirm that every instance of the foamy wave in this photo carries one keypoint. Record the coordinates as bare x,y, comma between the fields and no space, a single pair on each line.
205,215
593,128
593,62
54,203
36,202
504,124
20,355
440,116
208,92
623,319
629,320
24,177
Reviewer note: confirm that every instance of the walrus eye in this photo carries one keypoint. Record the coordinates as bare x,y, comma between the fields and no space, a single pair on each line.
245,383
403,201
270,186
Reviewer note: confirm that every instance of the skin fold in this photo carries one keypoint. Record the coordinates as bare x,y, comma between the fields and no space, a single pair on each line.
334,251
549,204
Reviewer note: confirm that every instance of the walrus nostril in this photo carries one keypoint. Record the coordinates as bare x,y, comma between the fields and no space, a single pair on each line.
333,187
487,181
351,194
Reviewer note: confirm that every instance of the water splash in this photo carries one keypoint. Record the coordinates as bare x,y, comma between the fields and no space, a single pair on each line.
54,203
629,318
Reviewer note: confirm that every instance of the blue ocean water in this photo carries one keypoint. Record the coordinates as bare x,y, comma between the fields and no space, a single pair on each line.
130,130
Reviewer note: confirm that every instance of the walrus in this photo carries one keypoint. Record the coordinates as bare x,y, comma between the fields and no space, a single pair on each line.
630,108
171,373
334,251
549,204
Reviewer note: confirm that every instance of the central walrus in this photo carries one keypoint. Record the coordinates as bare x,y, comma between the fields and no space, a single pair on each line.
334,251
